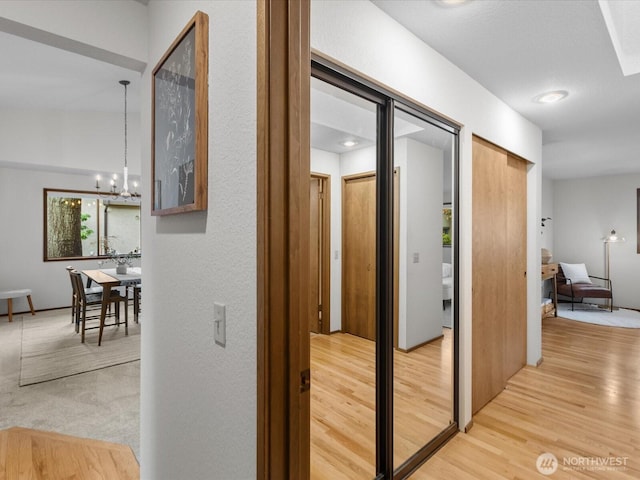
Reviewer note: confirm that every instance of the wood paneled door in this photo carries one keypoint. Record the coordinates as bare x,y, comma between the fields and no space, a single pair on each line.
499,269
319,250
359,255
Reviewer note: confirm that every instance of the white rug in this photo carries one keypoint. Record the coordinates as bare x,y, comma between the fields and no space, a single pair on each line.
51,348
589,313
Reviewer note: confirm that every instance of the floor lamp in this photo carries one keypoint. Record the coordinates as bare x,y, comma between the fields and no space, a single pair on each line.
613,237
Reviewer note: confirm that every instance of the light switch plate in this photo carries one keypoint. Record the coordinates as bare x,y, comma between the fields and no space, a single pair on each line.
220,324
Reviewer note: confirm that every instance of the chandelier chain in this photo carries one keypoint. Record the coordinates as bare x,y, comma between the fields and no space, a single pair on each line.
125,124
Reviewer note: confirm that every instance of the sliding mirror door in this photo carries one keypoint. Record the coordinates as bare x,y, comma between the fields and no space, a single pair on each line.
343,283
424,273
382,309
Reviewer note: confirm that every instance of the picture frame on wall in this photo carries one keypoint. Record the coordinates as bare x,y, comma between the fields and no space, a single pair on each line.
179,147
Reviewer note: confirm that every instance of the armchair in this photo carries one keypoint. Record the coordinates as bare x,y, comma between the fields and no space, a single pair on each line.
574,281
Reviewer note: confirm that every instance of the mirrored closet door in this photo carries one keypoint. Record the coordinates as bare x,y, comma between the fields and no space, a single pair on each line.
383,302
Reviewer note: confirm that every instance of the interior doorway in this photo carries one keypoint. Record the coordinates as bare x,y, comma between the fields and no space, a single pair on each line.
320,253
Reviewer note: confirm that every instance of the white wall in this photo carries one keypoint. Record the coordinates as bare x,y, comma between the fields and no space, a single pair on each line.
424,240
198,415
548,201
585,211
358,34
86,142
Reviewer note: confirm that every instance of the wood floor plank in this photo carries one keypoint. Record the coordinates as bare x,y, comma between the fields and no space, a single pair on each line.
34,454
582,405
343,402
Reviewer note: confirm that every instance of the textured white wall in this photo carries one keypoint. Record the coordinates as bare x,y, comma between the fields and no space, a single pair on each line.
361,36
585,210
198,415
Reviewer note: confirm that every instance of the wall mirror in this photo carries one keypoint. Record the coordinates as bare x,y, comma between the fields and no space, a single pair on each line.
80,224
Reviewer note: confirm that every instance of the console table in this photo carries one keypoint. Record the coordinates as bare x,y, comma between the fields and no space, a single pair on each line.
549,271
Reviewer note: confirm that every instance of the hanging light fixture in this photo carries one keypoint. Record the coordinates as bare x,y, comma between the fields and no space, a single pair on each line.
113,192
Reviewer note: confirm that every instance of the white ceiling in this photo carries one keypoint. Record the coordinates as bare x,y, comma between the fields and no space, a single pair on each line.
516,49
38,76
519,49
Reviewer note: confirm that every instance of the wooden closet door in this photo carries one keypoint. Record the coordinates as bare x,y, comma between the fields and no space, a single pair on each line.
515,328
489,271
359,256
499,269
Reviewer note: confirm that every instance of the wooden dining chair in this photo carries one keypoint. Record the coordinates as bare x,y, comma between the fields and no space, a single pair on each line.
93,302
74,298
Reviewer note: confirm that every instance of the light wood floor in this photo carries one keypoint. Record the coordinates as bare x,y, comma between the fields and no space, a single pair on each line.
582,402
34,454
343,402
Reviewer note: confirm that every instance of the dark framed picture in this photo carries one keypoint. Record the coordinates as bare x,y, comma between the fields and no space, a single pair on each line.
179,150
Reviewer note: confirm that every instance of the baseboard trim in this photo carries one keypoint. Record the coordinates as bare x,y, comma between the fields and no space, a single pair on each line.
468,426
408,350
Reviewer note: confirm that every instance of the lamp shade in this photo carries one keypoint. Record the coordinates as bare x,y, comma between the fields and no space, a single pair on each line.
613,237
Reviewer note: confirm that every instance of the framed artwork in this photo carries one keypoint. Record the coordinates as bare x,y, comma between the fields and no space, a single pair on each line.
179,150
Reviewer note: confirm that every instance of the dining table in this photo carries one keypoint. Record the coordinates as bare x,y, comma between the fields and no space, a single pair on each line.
109,278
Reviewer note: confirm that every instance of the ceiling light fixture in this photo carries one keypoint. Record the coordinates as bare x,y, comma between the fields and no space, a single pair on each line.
125,194
349,143
551,97
452,3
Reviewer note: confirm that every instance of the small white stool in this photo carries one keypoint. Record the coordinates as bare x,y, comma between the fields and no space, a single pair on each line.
9,295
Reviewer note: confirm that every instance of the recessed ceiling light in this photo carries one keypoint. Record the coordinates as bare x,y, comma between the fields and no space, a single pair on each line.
551,97
452,3
349,143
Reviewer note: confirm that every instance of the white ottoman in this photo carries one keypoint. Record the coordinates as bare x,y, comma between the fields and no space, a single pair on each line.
9,295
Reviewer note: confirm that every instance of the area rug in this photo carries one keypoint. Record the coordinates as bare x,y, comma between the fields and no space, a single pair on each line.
51,348
589,313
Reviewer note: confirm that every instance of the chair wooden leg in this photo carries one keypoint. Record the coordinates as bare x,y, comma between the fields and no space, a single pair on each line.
84,320
126,315
10,308
136,303
33,312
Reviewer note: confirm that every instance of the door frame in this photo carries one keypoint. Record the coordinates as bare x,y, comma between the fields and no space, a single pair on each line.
325,265
283,151
284,65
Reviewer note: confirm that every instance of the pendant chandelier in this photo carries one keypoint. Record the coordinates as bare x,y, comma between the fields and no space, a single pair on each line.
123,194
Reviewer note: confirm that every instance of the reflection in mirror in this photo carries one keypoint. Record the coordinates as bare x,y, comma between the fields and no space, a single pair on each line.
423,357
343,284
79,224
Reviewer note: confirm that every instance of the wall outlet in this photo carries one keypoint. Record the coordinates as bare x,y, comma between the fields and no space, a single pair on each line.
416,257
220,324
